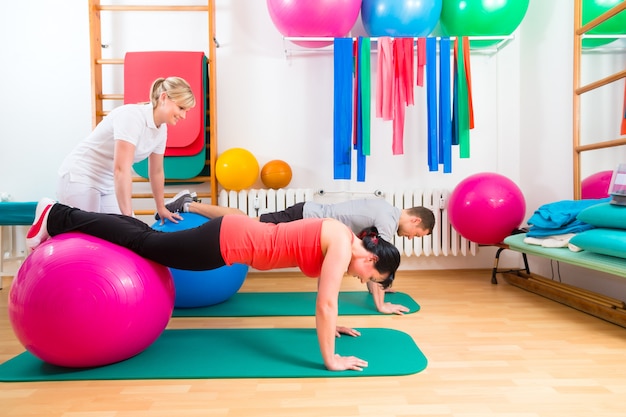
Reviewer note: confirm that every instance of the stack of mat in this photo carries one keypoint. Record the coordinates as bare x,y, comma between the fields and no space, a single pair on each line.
185,154
247,353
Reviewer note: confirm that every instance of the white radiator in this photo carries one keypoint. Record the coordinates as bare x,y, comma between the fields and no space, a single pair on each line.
255,202
444,240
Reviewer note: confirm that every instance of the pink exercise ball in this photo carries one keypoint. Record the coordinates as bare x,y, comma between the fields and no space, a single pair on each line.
486,207
596,185
314,18
78,301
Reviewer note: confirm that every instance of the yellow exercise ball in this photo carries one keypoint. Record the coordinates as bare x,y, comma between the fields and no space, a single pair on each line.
276,174
236,169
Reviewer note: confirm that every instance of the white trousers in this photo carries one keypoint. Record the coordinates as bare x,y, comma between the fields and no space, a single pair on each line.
84,197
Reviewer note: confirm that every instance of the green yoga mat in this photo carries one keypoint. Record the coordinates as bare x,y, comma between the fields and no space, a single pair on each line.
253,304
237,353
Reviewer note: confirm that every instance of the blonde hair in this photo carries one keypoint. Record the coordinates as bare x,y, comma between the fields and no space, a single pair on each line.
176,88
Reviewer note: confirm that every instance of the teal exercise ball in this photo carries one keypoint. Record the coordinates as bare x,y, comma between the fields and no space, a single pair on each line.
614,26
482,18
202,288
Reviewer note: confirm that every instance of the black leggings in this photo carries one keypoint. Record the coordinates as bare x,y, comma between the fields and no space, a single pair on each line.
290,214
194,249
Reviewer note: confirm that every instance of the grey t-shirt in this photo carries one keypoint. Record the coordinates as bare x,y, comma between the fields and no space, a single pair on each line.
359,214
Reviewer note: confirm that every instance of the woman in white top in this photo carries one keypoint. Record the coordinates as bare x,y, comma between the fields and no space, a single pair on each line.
97,174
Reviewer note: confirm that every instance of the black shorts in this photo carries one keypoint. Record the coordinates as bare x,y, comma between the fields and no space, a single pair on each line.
290,214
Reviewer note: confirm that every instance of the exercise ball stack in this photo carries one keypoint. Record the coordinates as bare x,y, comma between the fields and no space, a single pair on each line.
276,174
78,301
202,288
486,207
400,18
236,169
314,18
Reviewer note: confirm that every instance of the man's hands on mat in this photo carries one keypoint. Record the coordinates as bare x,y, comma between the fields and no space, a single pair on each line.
389,308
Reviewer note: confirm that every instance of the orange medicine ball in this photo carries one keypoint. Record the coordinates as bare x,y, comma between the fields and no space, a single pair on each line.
276,174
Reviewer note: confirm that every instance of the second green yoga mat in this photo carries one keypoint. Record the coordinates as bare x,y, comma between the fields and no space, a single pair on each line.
253,304
237,353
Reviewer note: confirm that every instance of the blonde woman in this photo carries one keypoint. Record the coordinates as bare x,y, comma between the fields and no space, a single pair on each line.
97,174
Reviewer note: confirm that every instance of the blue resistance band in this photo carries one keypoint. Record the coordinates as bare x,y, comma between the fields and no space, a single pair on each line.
342,108
445,122
431,102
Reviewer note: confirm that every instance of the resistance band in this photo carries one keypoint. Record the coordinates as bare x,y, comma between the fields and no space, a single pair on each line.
445,122
384,79
623,128
421,61
431,102
366,93
356,102
468,76
407,72
462,117
342,114
358,144
403,89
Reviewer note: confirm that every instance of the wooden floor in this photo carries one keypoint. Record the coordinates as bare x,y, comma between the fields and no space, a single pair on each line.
493,350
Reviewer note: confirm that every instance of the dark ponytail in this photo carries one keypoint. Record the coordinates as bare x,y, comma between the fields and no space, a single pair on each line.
387,254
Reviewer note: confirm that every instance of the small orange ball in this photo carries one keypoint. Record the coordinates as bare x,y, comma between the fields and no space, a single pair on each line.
276,174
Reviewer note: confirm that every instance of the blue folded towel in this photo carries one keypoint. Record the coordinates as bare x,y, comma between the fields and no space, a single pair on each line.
560,217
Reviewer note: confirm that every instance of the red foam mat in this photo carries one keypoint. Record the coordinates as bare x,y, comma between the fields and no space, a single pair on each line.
142,68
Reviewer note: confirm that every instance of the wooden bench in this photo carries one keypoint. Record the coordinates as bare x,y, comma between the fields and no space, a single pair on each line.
604,307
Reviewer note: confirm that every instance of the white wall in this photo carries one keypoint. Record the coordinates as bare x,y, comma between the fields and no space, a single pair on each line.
278,104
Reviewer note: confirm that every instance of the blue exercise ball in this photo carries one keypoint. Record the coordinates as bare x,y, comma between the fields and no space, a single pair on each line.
202,288
400,18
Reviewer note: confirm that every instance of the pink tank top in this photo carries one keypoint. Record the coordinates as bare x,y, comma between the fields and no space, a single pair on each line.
265,246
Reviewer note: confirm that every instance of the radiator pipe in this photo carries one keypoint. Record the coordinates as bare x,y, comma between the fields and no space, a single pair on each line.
377,193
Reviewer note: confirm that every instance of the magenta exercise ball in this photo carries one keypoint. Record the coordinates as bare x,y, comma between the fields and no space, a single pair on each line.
400,18
486,207
596,185
79,301
314,18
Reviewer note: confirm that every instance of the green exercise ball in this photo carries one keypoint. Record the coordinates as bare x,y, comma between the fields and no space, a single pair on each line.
616,25
482,18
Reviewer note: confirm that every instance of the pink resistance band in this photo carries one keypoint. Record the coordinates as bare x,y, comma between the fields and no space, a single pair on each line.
384,79
408,70
623,128
400,98
355,101
421,60
403,86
